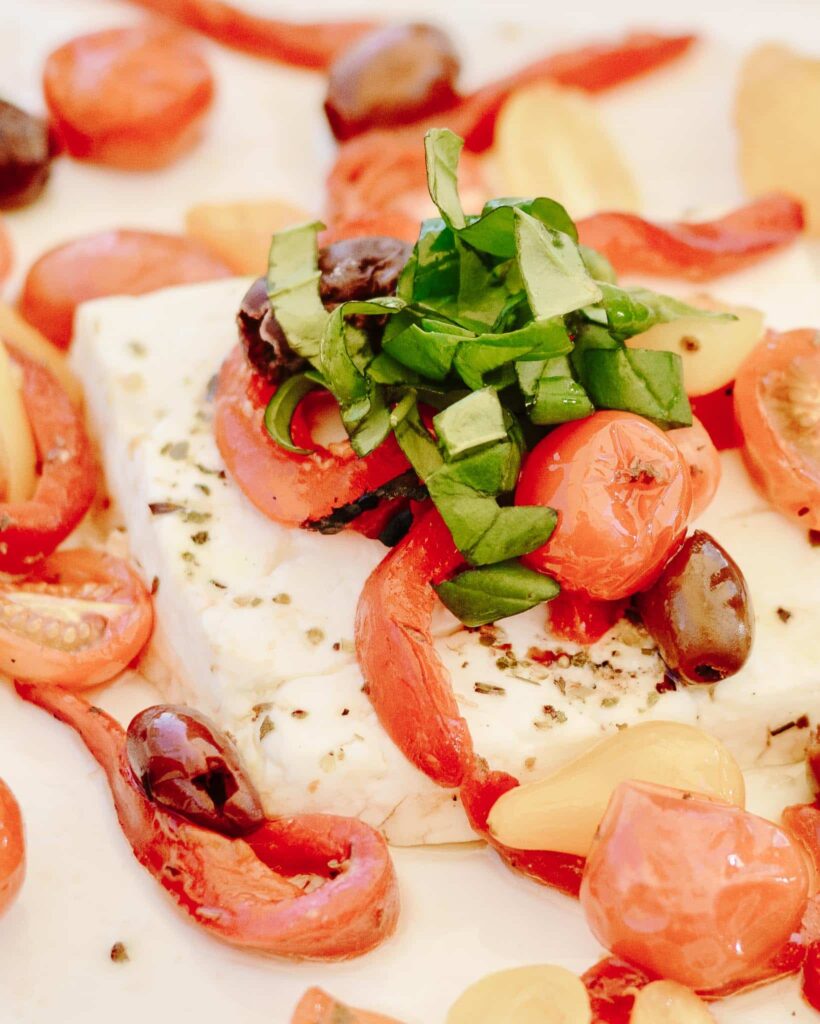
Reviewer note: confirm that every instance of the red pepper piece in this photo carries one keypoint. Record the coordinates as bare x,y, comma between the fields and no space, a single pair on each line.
31,529
697,251
234,887
811,976
581,619
612,985
286,487
301,44
716,411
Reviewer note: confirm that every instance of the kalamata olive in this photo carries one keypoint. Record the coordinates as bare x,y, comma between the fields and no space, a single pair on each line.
700,612
188,766
392,76
26,150
356,268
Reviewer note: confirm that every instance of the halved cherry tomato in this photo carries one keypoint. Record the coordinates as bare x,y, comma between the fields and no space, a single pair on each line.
777,404
289,488
302,44
317,1007
716,411
120,262
696,251
78,619
623,497
690,888
581,619
132,97
31,529
12,847
703,460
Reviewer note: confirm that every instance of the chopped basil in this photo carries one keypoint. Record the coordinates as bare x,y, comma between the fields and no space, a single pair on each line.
293,288
282,406
480,596
473,422
642,381
634,310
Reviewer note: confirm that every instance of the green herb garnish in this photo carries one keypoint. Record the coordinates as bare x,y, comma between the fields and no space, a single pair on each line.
479,596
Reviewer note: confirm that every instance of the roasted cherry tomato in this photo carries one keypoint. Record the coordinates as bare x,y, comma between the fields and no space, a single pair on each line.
110,263
703,459
692,889
317,1007
78,619
128,97
68,475
580,619
12,847
623,497
777,404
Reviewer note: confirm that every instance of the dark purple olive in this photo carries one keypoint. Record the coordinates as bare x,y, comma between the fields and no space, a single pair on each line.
186,765
393,76
356,268
26,149
699,612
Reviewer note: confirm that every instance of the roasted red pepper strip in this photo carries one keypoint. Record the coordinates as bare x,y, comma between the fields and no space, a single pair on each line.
698,251
302,44
612,985
411,691
234,887
31,529
289,488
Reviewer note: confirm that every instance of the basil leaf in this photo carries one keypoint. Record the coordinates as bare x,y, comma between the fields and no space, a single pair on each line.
539,339
414,438
642,381
490,472
494,231
551,394
555,278
368,430
282,406
428,352
442,149
480,596
634,310
293,288
473,422
433,267
598,265
384,369
589,336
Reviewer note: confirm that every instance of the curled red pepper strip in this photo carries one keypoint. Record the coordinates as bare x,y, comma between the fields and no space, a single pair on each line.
301,44
234,887
697,251
32,529
286,487
410,689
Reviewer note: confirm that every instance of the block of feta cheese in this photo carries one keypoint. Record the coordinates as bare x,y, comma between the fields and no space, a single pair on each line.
258,619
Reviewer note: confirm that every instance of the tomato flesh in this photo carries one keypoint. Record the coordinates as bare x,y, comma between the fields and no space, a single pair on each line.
612,985
692,889
12,848
777,404
78,619
132,98
623,497
716,411
580,619
703,461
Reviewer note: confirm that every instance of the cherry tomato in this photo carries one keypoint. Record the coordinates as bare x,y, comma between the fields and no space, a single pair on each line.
78,619
777,404
133,98
716,411
580,619
12,847
703,460
317,1007
118,262
623,497
390,225
692,889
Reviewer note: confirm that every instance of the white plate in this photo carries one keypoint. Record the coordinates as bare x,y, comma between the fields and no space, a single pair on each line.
464,913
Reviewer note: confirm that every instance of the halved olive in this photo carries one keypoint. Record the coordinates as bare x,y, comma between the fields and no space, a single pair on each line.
188,766
26,150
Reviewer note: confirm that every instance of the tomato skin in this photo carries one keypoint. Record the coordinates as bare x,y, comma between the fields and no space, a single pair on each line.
72,574
12,848
132,98
234,888
390,225
120,262
716,411
623,497
780,442
697,252
693,889
31,529
580,619
703,461
289,488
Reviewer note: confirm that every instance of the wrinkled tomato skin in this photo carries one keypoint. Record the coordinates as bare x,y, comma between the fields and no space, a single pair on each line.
777,404
580,619
132,98
289,488
12,848
623,497
716,411
703,460
120,262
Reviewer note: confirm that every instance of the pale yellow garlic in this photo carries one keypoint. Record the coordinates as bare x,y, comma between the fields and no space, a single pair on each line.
562,811
711,350
540,994
14,329
667,1002
240,232
551,141
18,456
